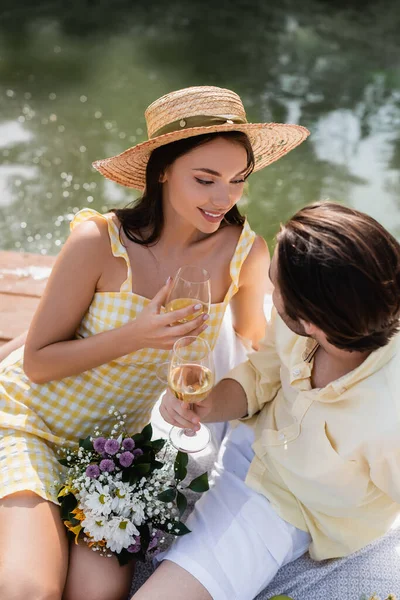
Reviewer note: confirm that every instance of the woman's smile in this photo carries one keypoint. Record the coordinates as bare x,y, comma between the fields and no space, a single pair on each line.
211,216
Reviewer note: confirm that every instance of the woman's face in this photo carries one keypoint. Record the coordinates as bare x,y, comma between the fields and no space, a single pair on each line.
204,184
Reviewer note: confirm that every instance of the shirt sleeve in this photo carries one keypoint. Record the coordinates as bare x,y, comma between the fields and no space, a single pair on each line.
385,474
259,376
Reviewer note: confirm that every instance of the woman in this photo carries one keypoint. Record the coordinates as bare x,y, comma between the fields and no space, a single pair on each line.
99,331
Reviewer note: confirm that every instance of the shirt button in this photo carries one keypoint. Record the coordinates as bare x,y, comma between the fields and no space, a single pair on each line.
296,372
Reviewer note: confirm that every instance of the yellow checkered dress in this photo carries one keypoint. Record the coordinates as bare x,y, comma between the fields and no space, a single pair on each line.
37,419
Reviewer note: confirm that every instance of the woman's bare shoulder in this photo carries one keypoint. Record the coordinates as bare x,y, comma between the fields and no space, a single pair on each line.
91,235
257,262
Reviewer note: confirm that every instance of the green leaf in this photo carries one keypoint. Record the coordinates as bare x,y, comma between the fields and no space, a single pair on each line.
144,458
133,477
200,484
86,444
68,503
167,495
144,537
141,469
280,597
179,529
124,557
157,464
180,465
181,503
64,462
138,438
147,432
126,474
158,445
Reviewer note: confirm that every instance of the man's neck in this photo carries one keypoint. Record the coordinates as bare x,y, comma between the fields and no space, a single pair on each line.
331,363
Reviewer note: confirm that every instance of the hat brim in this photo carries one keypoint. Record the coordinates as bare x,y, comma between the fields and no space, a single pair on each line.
270,141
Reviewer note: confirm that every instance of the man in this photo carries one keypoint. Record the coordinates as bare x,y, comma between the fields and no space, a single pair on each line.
315,464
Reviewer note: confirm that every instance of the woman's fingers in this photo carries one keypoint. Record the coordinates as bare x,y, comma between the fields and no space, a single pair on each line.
177,317
199,323
159,299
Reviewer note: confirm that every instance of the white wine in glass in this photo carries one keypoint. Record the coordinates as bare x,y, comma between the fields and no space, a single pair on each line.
191,286
191,378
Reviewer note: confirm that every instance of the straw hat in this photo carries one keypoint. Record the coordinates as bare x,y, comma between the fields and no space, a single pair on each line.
195,111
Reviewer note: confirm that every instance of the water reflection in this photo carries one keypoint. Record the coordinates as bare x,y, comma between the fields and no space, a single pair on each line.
75,78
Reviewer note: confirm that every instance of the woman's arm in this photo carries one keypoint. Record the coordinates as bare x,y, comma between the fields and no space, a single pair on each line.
51,350
247,304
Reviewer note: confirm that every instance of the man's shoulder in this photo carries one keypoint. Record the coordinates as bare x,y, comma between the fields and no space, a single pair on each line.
378,386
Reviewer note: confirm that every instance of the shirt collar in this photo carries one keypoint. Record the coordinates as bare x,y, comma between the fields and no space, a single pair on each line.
302,360
373,363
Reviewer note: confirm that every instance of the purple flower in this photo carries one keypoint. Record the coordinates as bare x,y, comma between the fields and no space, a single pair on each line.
134,547
107,465
154,540
128,444
98,444
111,446
137,452
92,471
126,459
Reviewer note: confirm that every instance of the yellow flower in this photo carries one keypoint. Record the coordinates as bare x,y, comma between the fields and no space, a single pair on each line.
76,529
65,491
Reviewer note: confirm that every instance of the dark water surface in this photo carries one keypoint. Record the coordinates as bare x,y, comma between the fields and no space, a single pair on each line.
75,78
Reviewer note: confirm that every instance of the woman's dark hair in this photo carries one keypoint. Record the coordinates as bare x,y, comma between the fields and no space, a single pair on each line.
339,269
146,214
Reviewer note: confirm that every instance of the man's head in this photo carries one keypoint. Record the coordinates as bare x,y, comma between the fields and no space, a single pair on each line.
336,271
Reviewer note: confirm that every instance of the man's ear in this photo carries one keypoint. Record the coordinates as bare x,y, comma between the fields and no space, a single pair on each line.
309,328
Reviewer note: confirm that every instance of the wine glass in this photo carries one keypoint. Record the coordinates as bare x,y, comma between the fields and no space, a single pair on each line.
191,285
191,378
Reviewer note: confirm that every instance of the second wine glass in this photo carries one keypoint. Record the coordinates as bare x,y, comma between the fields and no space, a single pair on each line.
191,378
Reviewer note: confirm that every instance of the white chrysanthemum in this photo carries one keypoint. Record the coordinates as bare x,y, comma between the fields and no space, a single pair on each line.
99,502
121,534
122,500
95,526
138,512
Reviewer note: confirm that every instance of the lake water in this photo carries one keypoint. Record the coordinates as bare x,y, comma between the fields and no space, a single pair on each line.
76,77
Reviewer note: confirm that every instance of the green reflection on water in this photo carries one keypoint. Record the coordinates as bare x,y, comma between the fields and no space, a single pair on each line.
75,79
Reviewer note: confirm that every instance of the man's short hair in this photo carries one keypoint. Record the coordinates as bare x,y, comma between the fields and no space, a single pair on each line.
339,269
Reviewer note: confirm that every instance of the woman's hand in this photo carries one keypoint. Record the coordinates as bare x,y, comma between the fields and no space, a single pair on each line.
178,413
153,329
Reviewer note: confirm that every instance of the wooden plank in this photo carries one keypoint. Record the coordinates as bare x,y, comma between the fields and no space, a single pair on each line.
23,273
16,313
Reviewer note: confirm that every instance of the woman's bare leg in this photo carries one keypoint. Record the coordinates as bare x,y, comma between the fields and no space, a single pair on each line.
12,345
33,548
91,577
171,582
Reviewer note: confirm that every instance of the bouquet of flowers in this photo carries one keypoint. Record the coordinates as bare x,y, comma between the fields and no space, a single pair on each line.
122,493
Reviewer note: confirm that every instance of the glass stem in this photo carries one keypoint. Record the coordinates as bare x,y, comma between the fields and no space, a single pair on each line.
190,432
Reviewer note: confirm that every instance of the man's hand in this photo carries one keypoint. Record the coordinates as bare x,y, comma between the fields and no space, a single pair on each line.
225,402
179,414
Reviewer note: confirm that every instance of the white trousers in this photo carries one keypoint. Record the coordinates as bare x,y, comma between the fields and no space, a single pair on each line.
237,541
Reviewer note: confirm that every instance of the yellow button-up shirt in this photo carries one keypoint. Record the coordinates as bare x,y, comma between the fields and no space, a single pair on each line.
327,459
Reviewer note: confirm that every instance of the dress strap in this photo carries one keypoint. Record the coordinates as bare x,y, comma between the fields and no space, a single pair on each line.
117,247
242,250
